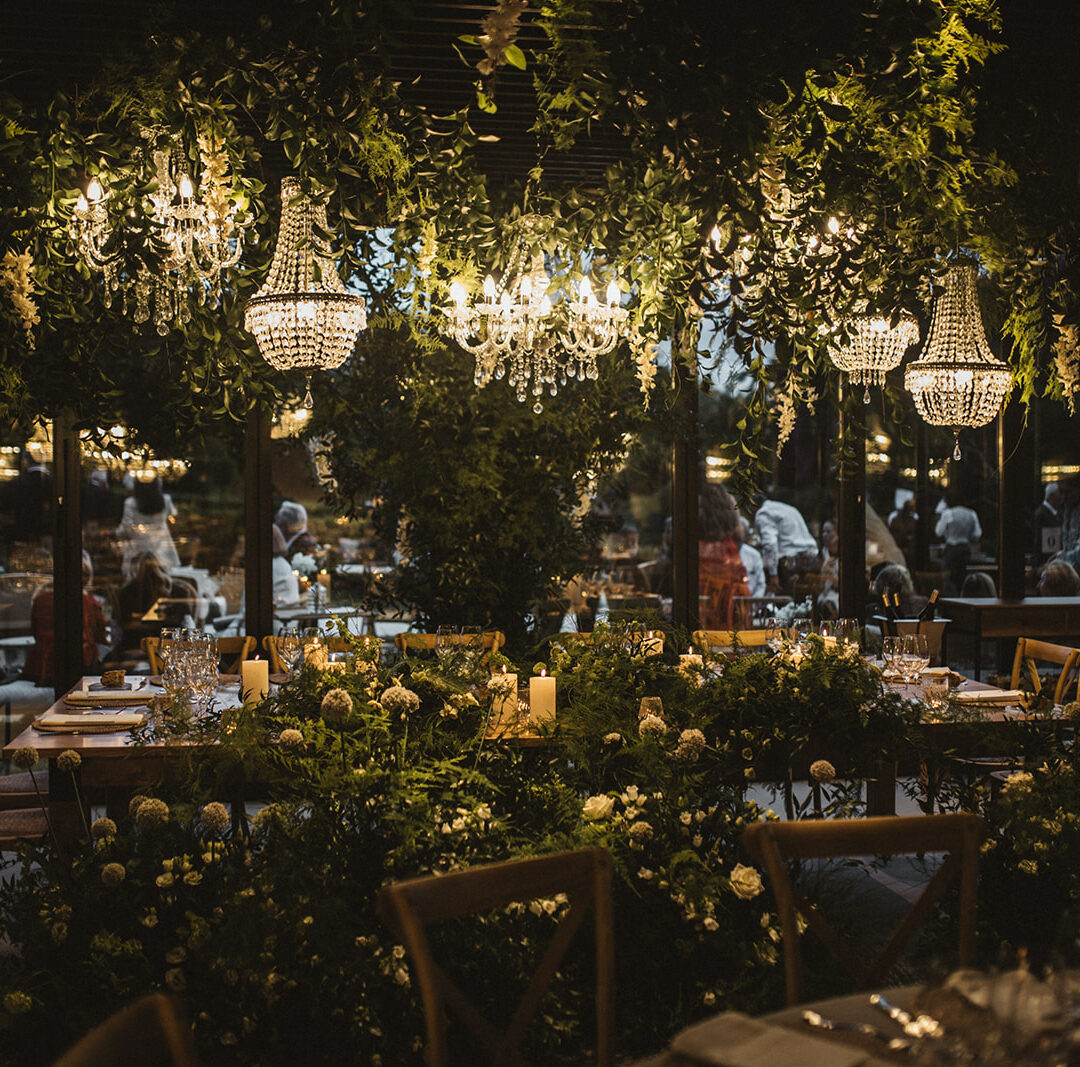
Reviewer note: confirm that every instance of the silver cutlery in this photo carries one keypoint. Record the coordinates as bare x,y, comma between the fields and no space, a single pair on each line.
919,1026
818,1021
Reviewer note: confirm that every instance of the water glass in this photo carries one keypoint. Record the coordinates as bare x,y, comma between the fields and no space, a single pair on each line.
289,647
445,639
891,650
916,656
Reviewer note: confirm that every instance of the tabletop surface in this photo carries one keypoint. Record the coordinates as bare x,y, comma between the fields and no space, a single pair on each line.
116,743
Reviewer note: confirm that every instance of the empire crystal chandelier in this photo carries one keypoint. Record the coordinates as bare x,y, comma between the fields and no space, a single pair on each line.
957,381
875,346
303,318
516,332
194,235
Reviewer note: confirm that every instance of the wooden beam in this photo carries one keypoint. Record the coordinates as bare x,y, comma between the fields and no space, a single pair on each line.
258,522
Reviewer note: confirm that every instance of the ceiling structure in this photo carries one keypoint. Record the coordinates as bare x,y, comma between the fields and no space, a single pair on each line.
51,45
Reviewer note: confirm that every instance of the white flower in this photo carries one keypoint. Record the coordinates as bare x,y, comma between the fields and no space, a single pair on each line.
502,684
640,830
645,874
711,925
696,841
631,794
821,770
652,724
745,882
1019,782
709,999
685,818
399,700
614,738
483,812
691,743
597,807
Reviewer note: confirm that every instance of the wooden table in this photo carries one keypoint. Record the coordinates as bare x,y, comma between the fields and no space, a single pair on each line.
113,761
852,1009
1052,617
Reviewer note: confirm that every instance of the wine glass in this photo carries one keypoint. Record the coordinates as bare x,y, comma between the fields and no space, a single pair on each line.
916,655
847,631
289,647
891,649
801,629
310,638
774,635
445,640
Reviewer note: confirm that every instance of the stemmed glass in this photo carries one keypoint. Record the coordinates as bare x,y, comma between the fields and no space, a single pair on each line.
445,640
801,630
775,635
310,638
892,648
289,648
916,656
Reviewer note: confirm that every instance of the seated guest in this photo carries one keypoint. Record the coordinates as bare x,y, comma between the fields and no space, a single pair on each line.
893,580
1059,578
151,582
721,574
978,583
40,659
286,587
291,520
787,547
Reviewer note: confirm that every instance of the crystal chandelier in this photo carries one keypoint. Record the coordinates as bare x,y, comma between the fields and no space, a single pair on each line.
194,237
957,381
875,346
303,318
516,332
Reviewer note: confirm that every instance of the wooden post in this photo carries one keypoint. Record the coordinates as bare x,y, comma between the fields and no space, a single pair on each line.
258,522
684,498
67,556
851,512
1015,463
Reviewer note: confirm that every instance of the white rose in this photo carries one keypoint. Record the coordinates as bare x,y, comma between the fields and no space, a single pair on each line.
598,807
745,882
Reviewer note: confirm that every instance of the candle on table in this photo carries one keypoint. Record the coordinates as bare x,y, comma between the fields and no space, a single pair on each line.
653,644
542,698
689,662
505,705
254,680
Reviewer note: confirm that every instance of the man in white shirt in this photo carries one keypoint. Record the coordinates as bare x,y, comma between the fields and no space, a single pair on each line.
959,528
751,560
787,546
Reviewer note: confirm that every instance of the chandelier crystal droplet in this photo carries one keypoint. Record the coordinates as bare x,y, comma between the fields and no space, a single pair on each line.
303,318
875,346
957,381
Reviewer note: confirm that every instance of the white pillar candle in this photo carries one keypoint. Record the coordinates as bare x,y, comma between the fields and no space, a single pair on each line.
504,707
254,680
653,643
542,698
689,662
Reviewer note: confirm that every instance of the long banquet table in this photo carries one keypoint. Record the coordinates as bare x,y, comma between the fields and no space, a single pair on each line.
114,761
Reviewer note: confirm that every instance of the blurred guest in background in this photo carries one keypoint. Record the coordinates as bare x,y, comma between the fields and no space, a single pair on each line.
788,549
959,528
1059,578
291,519
721,574
1046,525
144,526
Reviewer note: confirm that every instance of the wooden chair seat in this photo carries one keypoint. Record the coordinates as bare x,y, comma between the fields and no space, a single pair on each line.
491,640
410,907
152,1032
772,844
233,651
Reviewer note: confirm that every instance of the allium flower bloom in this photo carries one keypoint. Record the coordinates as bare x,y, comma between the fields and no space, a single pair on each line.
1019,782
69,761
640,830
614,738
597,807
112,874
316,655
652,724
336,706
192,878
399,701
690,746
821,770
215,816
502,684
1071,711
103,827
175,980
152,812
135,803
289,736
745,882
25,758
17,1002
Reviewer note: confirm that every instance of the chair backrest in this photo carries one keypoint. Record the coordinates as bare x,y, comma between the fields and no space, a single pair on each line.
729,640
584,875
492,640
772,844
1030,651
234,650
151,1032
332,643
648,643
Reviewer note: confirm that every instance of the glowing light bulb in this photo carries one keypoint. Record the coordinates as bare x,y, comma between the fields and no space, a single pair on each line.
489,287
457,293
613,293
94,192
81,204
834,226
585,289
186,189
716,236
545,306
526,288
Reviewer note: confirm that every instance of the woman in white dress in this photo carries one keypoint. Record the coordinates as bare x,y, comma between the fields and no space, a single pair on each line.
144,526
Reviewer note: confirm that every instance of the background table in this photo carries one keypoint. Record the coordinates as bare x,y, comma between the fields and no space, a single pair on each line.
1054,618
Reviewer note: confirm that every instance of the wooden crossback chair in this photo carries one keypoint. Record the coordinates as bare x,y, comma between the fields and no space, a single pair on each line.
492,640
1029,652
772,844
239,648
731,640
584,875
152,1032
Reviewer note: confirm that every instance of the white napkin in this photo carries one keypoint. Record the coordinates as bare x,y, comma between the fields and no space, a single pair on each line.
736,1040
115,718
988,696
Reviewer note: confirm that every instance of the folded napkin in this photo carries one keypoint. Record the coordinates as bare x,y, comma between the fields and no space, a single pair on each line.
124,719
988,696
116,698
736,1040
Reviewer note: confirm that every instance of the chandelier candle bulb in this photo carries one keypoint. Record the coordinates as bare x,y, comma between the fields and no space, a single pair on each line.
542,698
254,680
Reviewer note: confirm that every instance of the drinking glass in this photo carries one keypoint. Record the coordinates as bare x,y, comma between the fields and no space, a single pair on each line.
801,630
445,640
847,631
472,643
916,656
936,696
891,649
775,635
289,647
310,638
